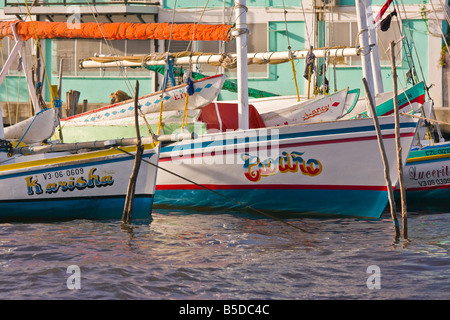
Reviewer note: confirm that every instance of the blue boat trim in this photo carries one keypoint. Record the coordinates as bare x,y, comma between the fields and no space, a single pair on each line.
106,207
356,203
265,138
65,166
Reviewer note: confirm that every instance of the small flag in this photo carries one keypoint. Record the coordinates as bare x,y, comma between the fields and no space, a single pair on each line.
382,11
386,22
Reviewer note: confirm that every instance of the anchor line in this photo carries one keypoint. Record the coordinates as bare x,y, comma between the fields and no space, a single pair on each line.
215,192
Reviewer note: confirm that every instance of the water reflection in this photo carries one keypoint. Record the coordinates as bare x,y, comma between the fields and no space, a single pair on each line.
181,254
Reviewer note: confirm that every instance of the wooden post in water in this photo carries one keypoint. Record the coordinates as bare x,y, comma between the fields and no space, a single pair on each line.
399,148
72,97
85,105
387,176
126,217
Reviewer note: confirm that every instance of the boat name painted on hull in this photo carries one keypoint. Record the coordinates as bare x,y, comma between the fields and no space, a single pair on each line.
80,183
319,110
255,168
414,174
437,152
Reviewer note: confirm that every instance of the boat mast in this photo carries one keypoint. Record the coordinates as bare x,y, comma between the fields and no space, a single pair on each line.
376,69
242,69
364,44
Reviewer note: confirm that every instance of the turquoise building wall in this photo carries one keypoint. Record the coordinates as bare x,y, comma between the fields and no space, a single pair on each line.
169,4
95,89
279,78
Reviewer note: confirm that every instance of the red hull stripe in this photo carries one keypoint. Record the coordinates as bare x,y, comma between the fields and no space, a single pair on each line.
266,186
164,157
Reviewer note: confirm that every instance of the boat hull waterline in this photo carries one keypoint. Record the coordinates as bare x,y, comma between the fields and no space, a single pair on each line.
90,185
324,168
427,178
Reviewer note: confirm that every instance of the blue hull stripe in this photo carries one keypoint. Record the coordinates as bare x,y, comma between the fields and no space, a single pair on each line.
268,137
360,203
108,207
432,200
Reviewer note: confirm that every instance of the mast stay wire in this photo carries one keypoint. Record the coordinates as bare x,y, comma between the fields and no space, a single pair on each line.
413,44
440,28
215,192
111,50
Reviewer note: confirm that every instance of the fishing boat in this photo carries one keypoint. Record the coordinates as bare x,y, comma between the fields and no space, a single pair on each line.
329,167
426,174
73,132
60,181
322,168
117,121
36,129
75,184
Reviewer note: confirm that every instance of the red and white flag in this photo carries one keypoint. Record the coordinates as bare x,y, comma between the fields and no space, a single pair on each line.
382,11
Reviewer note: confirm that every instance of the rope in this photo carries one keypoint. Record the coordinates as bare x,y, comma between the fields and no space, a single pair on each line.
198,22
309,80
26,131
18,96
184,120
440,28
410,60
446,12
39,47
410,104
306,25
332,43
291,58
6,87
166,73
6,146
189,91
215,192
111,49
413,43
426,119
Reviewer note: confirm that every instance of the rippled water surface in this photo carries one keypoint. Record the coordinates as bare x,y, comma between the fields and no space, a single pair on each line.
226,255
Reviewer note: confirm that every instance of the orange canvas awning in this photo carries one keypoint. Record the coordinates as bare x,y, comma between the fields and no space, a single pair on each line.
116,31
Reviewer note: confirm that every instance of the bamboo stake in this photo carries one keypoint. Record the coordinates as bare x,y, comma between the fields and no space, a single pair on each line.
385,162
399,148
126,217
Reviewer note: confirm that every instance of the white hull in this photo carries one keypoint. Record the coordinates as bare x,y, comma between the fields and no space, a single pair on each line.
84,185
35,129
205,91
325,168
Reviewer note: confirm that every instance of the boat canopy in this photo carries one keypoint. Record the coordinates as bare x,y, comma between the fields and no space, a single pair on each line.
116,31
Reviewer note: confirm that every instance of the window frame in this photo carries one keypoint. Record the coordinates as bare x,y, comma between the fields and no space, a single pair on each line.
251,75
383,63
103,73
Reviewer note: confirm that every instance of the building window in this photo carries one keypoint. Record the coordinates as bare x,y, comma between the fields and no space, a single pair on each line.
7,45
348,36
384,38
347,32
73,50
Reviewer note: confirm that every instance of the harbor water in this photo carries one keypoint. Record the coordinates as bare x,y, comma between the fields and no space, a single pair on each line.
225,255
